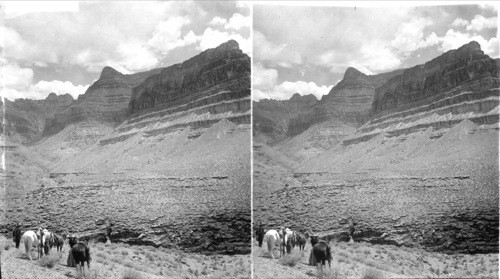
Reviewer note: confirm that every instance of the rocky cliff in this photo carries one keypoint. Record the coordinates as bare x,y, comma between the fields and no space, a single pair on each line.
181,158
26,120
430,156
105,101
460,84
274,120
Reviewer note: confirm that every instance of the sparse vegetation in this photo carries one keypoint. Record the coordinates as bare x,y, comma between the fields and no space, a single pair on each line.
328,273
372,273
291,259
50,260
132,274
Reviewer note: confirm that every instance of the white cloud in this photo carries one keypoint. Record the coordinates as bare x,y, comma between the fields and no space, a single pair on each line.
480,22
167,35
460,22
14,77
262,78
237,22
410,34
212,38
455,39
285,90
136,56
44,88
218,21
16,82
281,55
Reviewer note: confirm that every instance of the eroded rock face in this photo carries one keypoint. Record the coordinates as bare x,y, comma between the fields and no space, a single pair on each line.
26,120
467,66
106,101
276,120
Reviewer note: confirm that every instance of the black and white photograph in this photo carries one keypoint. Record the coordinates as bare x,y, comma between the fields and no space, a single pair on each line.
249,139
375,140
126,139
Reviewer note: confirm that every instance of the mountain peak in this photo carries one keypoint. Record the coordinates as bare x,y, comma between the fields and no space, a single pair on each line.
110,72
352,73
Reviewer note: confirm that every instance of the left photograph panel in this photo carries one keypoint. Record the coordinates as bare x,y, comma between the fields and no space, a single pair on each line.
126,140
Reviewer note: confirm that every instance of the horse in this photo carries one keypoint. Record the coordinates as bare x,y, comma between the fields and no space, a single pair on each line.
30,240
45,241
81,254
59,241
287,241
72,241
17,235
314,240
321,252
260,234
273,239
301,241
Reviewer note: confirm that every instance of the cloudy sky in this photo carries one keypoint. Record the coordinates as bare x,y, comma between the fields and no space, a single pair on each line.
307,49
62,46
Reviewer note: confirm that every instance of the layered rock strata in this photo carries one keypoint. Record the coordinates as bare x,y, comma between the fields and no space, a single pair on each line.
105,101
460,84
26,120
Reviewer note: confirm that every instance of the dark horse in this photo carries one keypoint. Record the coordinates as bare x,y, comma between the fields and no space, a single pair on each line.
72,240
301,241
81,254
17,235
59,241
260,234
321,252
314,240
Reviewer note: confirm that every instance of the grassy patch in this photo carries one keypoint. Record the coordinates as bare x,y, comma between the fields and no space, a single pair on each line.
291,259
132,274
50,260
328,273
372,273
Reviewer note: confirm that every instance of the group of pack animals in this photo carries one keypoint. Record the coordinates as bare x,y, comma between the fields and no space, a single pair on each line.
286,239
43,240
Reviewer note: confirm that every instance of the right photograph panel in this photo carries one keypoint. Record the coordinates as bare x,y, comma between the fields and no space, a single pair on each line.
375,141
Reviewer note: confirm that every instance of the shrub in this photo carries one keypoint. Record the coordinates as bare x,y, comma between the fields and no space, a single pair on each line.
327,273
125,253
50,260
7,246
372,273
291,259
132,274
367,252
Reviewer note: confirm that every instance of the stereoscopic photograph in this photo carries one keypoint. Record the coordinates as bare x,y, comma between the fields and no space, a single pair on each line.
126,139
375,140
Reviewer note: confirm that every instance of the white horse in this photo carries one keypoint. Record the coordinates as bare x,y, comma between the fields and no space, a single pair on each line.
30,240
46,241
288,240
273,239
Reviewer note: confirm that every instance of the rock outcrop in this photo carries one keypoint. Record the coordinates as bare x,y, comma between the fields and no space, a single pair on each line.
429,152
105,101
275,120
26,120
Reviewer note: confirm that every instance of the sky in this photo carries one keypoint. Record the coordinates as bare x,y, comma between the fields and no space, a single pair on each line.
62,46
306,49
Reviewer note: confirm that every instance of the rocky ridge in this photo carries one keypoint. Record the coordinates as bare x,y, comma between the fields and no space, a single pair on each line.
106,101
422,171
276,120
25,120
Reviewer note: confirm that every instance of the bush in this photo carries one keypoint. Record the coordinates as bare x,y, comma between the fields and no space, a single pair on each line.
291,259
327,273
372,273
132,274
50,260
7,246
